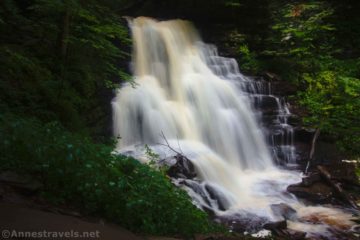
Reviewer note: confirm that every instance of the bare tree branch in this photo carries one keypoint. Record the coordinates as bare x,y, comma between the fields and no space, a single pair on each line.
168,145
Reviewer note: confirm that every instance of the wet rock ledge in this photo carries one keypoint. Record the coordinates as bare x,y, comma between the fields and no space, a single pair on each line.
336,184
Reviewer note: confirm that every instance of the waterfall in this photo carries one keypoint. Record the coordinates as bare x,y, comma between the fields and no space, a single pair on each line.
179,95
198,102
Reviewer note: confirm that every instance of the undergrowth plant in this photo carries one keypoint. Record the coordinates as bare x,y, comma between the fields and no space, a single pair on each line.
75,170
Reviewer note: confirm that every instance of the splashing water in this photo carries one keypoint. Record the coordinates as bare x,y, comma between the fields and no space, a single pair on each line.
201,103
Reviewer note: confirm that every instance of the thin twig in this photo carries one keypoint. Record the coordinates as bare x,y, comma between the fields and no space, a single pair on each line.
168,145
177,138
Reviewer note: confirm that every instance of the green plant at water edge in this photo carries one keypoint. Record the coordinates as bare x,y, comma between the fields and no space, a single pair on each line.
151,155
154,159
248,60
75,170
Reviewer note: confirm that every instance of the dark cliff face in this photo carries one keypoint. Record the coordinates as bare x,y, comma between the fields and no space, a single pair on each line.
214,19
207,11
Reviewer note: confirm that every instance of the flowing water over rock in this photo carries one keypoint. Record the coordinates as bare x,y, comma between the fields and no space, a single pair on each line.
199,103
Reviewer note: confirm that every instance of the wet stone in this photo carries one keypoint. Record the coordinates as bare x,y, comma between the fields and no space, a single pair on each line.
183,168
317,193
240,223
294,235
284,211
197,188
275,225
311,179
218,196
265,102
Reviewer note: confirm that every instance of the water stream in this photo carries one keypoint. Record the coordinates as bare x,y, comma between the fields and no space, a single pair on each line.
214,115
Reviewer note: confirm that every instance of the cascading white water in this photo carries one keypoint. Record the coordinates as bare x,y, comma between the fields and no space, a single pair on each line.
200,103
180,94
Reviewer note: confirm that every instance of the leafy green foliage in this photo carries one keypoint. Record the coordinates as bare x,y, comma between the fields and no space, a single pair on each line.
59,60
304,30
151,155
334,105
154,160
248,60
303,44
301,37
75,170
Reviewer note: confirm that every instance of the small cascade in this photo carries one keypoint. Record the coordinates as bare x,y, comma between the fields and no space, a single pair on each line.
272,111
274,114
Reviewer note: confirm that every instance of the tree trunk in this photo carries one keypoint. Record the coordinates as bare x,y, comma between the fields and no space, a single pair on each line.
63,45
64,33
312,149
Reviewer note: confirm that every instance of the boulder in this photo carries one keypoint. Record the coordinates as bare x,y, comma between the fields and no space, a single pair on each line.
197,188
215,194
242,222
317,193
265,102
283,210
280,229
311,179
183,168
274,226
294,235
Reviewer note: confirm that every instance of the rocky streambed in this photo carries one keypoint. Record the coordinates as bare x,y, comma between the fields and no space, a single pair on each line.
335,187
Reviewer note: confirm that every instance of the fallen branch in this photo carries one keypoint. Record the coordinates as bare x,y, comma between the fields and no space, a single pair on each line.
336,186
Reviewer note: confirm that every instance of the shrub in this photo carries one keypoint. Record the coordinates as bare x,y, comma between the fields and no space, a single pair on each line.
75,170
248,60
